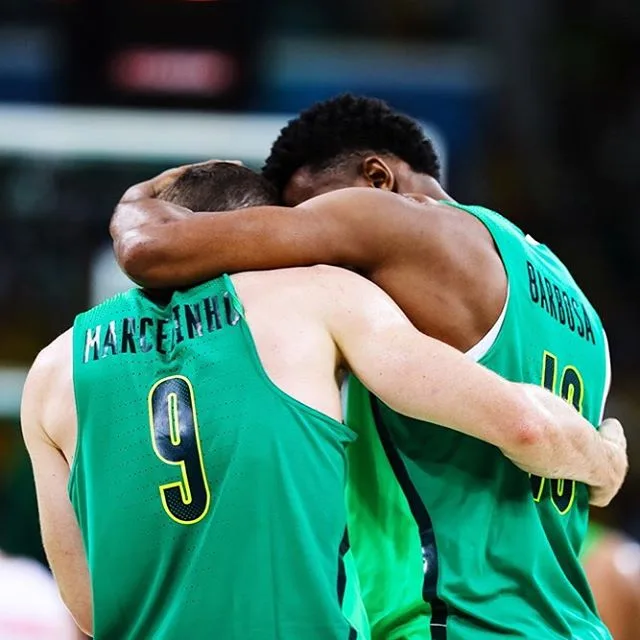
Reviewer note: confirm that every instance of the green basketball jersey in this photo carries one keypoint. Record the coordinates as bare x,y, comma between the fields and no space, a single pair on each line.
450,538
210,502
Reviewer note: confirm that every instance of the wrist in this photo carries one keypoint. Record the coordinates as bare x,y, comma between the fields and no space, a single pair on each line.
613,466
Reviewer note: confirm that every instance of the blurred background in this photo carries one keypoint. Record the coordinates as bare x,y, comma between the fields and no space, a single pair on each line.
535,103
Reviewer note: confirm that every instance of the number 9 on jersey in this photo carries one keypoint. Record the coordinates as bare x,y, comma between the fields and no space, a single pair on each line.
176,441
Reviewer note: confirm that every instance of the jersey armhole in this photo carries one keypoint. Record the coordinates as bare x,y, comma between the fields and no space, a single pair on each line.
480,349
340,428
607,375
73,467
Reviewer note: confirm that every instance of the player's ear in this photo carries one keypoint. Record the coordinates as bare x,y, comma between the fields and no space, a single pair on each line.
378,173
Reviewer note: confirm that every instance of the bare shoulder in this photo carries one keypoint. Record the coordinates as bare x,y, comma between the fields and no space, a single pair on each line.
48,390
322,292
365,203
384,202
56,357
405,224
298,281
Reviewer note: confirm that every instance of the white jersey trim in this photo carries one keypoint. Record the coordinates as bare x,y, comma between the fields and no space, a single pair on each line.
607,375
481,349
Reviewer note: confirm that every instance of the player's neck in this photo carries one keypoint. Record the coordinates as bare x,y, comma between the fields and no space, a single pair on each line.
431,188
436,191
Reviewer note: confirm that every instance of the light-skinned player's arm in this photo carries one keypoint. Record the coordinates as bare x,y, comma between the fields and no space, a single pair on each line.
428,380
61,535
158,245
611,466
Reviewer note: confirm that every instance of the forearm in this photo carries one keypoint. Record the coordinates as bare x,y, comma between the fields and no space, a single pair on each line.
160,245
569,447
432,382
538,431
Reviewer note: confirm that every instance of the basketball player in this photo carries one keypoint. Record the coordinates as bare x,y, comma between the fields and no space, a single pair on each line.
477,550
612,562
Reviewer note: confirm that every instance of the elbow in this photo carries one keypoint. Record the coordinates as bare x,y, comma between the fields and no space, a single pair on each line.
528,434
529,427
138,247
140,257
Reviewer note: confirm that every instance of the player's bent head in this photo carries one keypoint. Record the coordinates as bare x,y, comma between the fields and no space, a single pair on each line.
349,141
220,186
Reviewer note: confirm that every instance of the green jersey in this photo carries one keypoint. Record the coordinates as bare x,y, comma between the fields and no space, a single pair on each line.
448,535
211,503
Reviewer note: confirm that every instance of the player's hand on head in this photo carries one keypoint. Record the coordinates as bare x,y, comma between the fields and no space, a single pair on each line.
612,433
168,177
153,187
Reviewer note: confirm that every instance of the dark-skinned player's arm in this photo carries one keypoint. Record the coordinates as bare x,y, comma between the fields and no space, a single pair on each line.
47,403
428,380
160,245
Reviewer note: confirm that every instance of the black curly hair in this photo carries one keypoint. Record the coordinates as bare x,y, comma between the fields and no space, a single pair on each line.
329,132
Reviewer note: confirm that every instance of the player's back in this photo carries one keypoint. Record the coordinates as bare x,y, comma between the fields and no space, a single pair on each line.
211,502
494,551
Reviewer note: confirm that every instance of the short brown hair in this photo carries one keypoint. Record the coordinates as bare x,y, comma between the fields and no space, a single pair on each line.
220,186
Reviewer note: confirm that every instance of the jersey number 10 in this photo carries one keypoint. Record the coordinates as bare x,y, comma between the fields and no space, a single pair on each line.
572,390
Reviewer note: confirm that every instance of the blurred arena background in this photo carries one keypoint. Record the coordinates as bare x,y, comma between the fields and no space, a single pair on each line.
536,105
